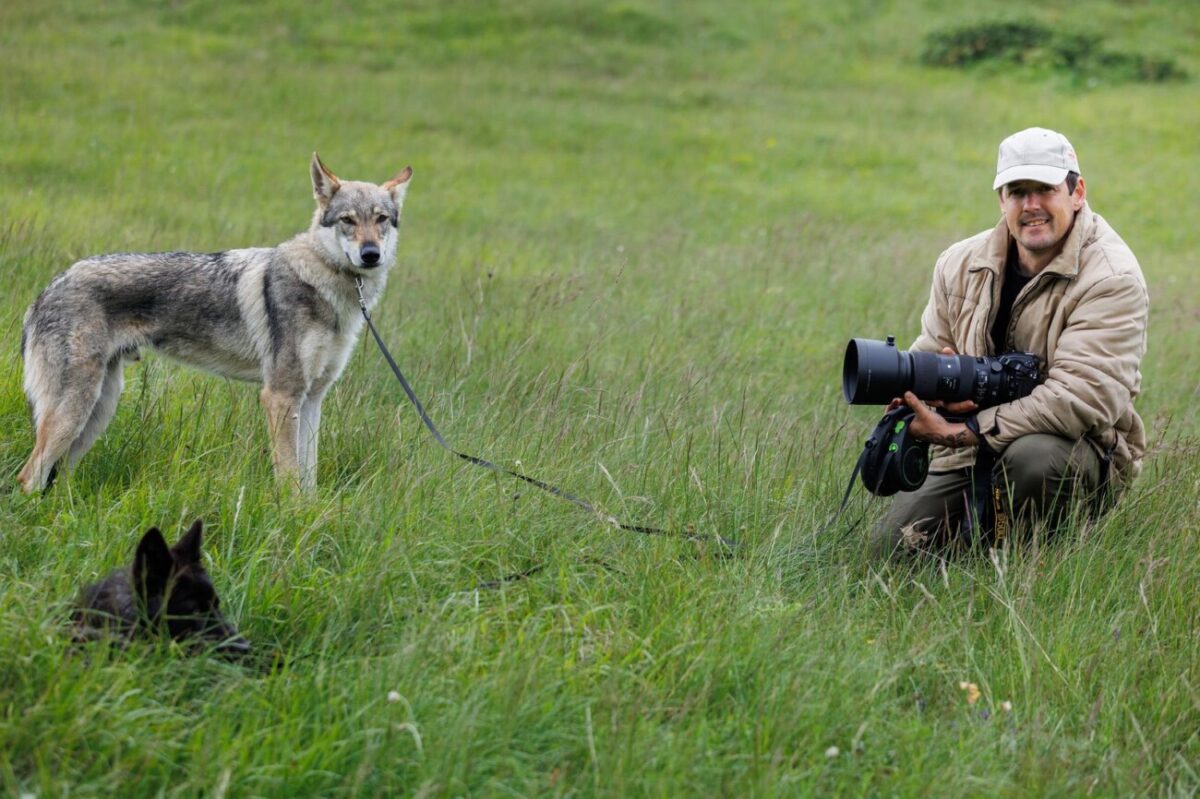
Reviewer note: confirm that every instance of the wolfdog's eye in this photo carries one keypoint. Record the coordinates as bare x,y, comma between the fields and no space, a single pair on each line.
381,220
346,220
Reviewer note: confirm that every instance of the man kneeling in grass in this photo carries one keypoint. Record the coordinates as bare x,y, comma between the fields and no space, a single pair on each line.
1052,278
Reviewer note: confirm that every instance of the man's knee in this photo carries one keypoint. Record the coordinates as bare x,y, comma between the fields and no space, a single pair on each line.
1033,464
923,519
1043,469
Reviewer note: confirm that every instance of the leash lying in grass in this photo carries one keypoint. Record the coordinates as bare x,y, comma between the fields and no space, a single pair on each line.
688,534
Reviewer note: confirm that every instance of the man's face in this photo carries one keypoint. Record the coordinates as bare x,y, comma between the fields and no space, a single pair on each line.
1040,216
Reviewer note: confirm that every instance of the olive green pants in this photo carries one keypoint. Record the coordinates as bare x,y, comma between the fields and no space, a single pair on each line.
1039,476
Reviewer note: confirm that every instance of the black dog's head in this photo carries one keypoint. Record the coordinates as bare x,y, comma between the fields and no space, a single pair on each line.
167,589
174,589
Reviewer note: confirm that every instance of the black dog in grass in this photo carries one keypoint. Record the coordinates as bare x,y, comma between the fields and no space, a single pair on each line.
165,591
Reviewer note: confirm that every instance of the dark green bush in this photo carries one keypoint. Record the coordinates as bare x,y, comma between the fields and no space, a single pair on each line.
990,41
1079,56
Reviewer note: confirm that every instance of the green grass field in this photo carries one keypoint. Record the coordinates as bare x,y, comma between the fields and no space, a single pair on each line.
638,237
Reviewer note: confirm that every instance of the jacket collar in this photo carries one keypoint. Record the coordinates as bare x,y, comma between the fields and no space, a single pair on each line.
1066,264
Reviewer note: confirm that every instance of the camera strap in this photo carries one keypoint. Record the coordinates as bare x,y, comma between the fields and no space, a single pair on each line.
1102,484
986,511
846,496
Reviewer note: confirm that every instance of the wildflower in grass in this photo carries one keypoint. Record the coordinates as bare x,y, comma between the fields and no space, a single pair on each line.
832,752
912,536
972,691
393,696
1006,706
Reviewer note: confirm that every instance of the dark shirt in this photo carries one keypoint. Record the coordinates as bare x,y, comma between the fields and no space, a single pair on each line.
1011,286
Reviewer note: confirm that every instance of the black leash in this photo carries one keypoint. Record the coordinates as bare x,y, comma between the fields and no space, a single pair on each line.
552,489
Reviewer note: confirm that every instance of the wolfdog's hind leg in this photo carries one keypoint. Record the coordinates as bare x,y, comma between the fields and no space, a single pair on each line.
102,413
61,423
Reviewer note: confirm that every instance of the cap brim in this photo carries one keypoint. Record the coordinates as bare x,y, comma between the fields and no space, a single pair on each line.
1050,175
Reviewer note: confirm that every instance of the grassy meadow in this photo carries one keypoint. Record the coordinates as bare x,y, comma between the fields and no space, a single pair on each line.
638,237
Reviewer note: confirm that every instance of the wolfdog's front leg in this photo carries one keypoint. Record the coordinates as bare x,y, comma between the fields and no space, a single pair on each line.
310,426
283,416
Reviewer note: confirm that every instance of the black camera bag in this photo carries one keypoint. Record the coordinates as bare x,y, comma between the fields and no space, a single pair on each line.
892,460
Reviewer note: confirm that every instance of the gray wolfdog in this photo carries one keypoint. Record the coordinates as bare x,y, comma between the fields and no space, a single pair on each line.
166,589
285,316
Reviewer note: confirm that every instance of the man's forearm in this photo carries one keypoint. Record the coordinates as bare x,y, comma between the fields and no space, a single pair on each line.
954,436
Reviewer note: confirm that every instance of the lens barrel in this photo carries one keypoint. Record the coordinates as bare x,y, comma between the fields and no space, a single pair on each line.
876,372
874,369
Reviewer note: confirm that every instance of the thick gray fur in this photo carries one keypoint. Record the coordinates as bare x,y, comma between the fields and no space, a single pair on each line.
286,316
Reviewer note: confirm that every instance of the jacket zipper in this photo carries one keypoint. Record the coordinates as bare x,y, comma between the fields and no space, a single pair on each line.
1031,289
985,335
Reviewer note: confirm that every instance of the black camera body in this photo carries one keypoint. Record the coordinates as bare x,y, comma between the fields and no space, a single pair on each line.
876,372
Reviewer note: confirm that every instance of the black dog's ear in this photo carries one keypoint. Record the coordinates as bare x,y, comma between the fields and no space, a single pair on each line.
187,548
152,565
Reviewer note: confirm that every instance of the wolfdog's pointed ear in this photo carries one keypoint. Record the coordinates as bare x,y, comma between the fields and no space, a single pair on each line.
152,565
398,185
325,183
187,548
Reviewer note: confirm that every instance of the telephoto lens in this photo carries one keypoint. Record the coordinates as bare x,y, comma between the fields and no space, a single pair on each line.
875,373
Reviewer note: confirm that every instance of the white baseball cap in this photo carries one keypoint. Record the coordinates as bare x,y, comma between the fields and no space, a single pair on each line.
1035,154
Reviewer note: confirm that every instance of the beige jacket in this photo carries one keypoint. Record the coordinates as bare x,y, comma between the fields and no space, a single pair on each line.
1084,316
